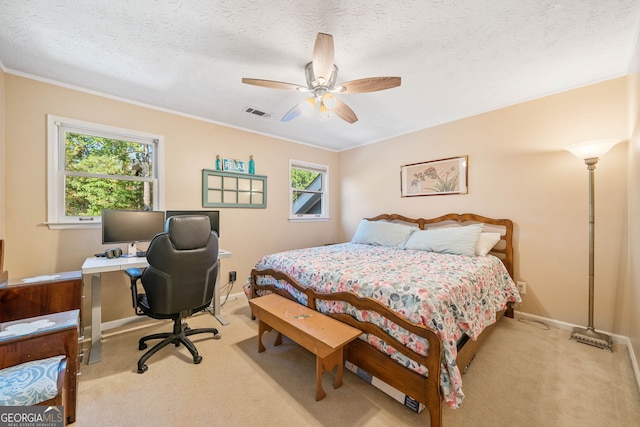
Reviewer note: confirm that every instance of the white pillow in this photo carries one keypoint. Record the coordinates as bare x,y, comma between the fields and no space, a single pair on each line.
382,233
449,240
486,242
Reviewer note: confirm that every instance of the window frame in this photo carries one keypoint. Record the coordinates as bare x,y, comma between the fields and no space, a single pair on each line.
56,218
324,172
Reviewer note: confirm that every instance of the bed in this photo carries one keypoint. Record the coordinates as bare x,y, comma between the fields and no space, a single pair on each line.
425,293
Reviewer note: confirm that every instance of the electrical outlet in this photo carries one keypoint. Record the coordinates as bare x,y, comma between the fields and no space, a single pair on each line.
522,287
232,276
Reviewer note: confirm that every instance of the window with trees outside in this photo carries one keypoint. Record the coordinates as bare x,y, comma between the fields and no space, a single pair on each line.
309,192
94,167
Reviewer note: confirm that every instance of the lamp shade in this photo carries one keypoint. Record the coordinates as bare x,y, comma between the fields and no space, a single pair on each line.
592,149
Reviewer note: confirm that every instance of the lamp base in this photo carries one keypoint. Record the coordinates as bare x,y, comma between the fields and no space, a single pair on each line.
591,337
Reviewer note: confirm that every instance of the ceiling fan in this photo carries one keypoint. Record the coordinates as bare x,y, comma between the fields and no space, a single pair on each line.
321,76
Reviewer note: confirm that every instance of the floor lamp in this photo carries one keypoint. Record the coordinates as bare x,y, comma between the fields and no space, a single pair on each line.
590,152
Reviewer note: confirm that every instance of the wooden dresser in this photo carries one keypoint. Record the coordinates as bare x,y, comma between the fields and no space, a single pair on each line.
32,297
44,295
58,335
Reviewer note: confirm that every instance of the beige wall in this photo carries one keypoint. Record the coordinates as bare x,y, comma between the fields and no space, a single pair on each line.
634,215
2,162
518,169
190,146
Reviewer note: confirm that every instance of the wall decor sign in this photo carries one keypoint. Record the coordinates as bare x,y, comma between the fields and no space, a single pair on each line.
436,177
234,165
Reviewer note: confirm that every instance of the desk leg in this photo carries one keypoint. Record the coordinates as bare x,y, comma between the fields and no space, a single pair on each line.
95,353
216,301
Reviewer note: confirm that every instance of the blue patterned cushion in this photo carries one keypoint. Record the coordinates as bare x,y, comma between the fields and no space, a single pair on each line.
29,383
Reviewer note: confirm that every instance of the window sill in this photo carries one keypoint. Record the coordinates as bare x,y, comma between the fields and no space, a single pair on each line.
308,219
72,225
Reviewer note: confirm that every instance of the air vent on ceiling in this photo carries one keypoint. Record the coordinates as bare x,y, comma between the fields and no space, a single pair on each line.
253,111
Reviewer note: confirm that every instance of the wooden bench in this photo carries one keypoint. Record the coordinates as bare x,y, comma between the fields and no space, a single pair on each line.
322,335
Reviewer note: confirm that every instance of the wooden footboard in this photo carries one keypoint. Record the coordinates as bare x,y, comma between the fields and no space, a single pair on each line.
424,389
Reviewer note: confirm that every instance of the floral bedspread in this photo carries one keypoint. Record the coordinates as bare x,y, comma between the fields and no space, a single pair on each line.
452,294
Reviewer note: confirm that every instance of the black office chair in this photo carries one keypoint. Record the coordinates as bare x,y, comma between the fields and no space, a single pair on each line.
180,280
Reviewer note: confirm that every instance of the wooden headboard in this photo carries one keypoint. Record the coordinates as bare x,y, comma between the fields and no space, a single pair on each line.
502,250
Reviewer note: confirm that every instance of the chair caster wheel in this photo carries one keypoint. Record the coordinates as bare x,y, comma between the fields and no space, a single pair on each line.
217,336
142,369
142,346
197,359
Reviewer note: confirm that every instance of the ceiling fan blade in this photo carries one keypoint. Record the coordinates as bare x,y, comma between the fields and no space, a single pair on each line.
343,111
293,113
272,84
323,56
371,84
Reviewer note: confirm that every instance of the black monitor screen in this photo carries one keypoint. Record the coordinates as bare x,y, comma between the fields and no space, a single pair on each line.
214,217
122,226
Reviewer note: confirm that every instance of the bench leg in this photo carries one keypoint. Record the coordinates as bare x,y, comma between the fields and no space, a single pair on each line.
262,328
327,364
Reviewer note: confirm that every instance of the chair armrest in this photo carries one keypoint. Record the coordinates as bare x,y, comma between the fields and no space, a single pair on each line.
135,274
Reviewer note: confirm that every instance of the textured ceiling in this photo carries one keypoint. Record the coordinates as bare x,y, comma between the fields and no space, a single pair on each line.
456,57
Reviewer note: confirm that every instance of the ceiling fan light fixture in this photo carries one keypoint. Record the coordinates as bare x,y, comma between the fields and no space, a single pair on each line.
325,113
329,100
308,106
320,75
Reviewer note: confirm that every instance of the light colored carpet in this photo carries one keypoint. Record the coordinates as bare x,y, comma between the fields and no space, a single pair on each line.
524,375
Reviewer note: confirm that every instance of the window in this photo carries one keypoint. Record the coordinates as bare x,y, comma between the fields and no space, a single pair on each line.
94,167
309,193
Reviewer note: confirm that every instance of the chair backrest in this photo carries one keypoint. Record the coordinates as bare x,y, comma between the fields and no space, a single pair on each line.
183,266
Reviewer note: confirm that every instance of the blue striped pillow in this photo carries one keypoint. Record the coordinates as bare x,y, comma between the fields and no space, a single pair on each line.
449,240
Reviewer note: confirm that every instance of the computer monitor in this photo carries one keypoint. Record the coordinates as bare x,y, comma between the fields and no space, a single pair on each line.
126,226
214,217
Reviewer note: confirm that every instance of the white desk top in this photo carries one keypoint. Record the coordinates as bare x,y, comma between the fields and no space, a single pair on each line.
96,264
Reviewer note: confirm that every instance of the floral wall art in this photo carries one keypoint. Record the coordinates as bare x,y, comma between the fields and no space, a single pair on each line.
445,176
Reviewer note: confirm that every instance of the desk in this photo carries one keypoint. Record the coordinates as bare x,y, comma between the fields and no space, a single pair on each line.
95,266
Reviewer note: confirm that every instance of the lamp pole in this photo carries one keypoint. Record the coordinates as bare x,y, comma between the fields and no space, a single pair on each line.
590,152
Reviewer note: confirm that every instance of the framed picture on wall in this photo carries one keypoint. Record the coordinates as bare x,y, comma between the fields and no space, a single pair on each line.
435,177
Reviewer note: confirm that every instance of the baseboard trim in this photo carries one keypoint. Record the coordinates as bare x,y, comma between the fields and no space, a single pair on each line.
132,323
634,362
618,339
